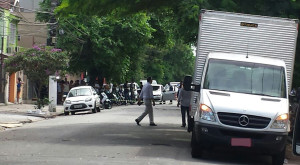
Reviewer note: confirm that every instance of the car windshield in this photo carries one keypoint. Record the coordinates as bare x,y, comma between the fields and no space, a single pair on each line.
245,77
155,88
80,92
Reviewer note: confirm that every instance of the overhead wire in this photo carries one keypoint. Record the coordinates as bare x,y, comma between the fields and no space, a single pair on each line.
34,23
39,24
38,11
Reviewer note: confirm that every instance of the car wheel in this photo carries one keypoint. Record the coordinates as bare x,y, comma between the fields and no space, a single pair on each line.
94,109
278,159
66,113
196,151
99,109
72,112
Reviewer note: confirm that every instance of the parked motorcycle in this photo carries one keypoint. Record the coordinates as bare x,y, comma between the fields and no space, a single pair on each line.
105,101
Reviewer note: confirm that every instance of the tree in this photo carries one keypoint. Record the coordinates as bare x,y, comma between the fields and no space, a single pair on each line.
183,14
176,20
181,55
38,63
120,44
105,47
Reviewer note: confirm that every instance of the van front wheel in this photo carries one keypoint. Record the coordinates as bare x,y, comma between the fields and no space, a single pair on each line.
278,159
196,150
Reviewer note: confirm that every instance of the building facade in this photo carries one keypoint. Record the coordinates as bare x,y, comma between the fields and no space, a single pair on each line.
9,46
31,33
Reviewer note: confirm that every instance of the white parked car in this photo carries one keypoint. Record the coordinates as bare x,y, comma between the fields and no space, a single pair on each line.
83,98
145,82
160,94
157,92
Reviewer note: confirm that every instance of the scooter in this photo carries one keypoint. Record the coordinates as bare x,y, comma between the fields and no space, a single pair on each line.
105,101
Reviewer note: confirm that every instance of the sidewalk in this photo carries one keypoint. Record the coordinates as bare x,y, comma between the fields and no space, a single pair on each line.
15,115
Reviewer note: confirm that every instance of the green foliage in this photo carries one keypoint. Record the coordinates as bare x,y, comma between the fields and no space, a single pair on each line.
40,103
174,21
153,64
38,63
106,7
45,6
181,55
105,47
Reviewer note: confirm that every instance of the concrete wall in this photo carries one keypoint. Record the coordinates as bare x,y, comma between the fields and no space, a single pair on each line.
30,5
31,34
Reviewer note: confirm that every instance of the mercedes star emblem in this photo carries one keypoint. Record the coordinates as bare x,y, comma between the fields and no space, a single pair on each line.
244,120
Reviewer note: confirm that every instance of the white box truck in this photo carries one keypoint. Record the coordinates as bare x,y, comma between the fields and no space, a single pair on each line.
243,73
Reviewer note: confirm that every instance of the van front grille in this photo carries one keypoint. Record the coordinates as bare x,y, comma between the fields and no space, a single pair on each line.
243,120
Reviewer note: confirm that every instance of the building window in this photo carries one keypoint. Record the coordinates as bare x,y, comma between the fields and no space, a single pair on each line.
12,35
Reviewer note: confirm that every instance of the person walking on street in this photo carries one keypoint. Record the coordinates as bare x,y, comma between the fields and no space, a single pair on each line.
184,100
179,88
147,96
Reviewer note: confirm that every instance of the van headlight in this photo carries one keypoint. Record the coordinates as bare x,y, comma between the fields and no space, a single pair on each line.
281,122
206,113
88,99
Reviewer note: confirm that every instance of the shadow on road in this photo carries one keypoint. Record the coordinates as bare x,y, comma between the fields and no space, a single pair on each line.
164,141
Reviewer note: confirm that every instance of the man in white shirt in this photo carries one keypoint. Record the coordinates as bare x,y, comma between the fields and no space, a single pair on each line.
147,96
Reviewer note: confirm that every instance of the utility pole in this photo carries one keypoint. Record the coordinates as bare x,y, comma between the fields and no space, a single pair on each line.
2,77
52,26
2,72
52,79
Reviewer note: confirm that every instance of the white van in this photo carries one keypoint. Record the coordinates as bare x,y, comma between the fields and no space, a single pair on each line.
243,103
242,77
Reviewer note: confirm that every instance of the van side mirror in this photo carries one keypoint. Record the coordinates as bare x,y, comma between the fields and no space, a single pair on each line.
188,86
296,136
195,88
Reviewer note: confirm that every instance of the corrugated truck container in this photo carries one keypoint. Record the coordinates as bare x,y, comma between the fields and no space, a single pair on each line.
244,34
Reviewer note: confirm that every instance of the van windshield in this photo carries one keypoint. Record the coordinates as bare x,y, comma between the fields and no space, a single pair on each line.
245,77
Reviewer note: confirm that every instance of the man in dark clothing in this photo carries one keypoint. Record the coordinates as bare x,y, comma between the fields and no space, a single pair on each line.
171,89
126,91
132,96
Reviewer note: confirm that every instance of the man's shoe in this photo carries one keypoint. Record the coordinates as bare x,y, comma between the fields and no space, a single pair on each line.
152,124
137,122
183,126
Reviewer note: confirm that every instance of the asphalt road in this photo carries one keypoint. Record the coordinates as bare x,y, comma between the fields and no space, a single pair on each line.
111,137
